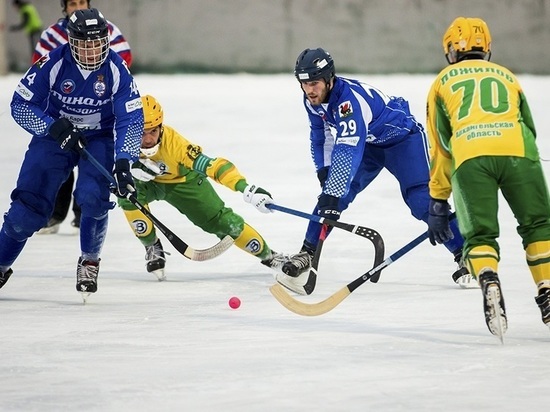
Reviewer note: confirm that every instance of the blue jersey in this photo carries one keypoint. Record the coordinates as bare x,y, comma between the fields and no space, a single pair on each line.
104,103
356,115
360,131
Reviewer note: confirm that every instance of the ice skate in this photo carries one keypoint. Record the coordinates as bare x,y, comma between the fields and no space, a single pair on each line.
86,277
279,263
275,261
290,265
4,276
156,260
51,228
294,284
297,264
493,303
462,276
543,301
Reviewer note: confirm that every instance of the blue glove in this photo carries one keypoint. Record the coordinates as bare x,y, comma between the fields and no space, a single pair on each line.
327,206
123,177
439,230
66,135
322,175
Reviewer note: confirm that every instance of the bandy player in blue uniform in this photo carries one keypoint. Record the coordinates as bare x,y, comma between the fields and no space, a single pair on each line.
81,91
371,131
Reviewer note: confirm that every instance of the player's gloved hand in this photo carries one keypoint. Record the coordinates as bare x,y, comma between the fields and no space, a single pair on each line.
439,230
66,135
258,197
327,206
123,177
145,170
322,175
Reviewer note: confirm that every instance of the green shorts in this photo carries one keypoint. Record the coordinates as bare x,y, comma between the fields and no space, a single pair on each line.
476,185
196,199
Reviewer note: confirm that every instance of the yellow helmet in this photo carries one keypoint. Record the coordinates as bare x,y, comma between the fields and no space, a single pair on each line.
467,36
152,112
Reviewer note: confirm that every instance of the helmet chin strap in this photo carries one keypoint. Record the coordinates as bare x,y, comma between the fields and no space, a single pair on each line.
151,151
330,86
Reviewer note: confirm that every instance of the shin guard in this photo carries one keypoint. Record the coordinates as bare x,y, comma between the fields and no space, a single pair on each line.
537,255
482,257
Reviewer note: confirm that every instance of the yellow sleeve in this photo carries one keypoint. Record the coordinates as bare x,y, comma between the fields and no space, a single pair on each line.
439,135
177,157
220,170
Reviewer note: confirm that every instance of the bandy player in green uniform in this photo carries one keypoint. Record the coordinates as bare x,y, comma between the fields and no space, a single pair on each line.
482,139
174,170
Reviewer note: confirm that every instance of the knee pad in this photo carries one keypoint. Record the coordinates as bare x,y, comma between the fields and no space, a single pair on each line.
225,223
20,222
92,204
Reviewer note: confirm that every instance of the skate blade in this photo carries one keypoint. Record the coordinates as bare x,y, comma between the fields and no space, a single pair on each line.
467,282
159,273
293,284
497,324
85,296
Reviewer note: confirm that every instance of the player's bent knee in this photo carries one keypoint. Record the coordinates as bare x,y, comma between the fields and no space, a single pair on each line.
94,206
21,222
226,223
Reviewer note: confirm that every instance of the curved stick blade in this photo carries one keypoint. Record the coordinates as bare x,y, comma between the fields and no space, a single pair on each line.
308,309
211,252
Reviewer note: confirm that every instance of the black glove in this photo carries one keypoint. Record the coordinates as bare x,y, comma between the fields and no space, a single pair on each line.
66,135
327,206
322,175
123,177
439,230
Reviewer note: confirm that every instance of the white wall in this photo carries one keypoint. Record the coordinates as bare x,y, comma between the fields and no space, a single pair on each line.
266,36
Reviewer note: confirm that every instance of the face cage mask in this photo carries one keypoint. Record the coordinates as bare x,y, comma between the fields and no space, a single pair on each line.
89,58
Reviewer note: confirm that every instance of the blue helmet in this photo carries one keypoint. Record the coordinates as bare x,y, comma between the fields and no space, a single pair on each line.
314,64
88,35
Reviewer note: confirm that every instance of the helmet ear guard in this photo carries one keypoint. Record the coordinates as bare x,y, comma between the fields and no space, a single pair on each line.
153,116
467,37
314,64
